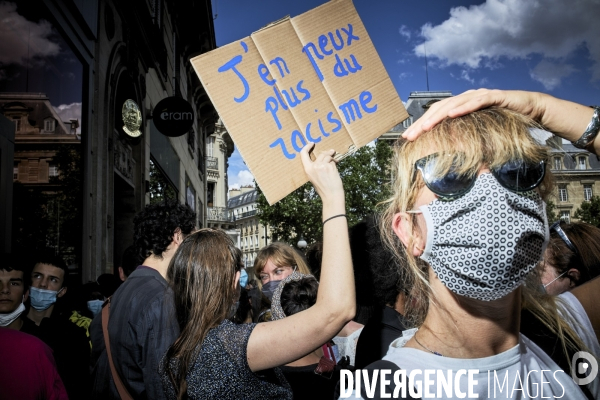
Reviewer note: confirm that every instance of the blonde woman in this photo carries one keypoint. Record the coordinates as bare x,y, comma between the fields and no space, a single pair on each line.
216,359
469,211
276,262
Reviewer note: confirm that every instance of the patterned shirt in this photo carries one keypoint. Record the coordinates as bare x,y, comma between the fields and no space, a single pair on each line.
142,326
221,371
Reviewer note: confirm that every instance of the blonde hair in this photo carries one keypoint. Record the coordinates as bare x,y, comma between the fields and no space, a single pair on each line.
282,255
492,137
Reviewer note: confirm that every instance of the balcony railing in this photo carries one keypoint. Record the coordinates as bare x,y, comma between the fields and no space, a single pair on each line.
219,214
212,163
246,214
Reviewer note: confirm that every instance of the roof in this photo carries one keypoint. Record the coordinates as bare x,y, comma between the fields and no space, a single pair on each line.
570,152
417,102
243,199
37,106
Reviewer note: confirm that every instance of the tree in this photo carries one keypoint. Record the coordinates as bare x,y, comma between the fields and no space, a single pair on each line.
366,178
589,211
160,189
551,211
64,207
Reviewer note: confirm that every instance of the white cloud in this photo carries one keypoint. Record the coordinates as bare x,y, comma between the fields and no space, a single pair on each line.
23,39
464,75
66,112
404,75
550,74
243,178
480,35
405,32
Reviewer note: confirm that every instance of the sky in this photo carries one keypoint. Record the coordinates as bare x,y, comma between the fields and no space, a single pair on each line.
550,46
35,58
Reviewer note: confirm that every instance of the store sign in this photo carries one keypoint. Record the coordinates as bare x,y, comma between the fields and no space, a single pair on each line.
173,116
313,78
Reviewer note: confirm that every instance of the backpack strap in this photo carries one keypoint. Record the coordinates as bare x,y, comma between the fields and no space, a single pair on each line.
116,378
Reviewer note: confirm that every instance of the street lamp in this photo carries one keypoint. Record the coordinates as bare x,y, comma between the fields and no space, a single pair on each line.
302,243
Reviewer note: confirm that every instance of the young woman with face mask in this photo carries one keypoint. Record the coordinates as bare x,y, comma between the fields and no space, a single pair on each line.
469,211
276,262
216,359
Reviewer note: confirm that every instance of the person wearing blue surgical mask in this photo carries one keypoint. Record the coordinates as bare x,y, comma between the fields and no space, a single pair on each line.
44,320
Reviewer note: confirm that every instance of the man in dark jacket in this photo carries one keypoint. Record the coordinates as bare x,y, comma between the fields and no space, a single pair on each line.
48,321
142,323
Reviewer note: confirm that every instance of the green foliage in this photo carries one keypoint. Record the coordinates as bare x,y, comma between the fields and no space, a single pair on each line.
589,211
51,218
64,207
160,189
551,211
30,222
366,180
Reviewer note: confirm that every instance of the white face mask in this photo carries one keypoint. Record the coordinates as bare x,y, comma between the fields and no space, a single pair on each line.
483,244
7,319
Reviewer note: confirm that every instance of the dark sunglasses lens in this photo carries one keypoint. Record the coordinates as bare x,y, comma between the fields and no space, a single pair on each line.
520,176
450,184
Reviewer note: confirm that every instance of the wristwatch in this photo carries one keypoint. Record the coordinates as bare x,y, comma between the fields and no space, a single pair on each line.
591,131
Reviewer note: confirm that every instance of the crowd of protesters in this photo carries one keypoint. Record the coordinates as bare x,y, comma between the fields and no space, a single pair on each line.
462,270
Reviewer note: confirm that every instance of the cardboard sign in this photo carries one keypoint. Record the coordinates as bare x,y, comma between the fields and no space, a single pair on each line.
313,78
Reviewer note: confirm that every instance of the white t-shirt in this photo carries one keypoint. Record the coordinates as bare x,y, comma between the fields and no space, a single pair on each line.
347,344
513,374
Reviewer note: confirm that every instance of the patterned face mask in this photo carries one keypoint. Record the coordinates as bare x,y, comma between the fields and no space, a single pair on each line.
483,244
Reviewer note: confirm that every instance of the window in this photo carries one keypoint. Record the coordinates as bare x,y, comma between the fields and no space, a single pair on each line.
210,143
407,122
49,125
16,172
581,162
565,216
17,123
210,193
587,192
557,163
52,170
563,194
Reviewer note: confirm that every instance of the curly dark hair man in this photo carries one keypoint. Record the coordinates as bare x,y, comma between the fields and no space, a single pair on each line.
155,227
142,314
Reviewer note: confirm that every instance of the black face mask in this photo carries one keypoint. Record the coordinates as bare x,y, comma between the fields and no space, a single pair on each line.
269,288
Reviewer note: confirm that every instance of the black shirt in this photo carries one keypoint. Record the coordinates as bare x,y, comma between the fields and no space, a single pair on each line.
71,350
142,326
377,335
308,385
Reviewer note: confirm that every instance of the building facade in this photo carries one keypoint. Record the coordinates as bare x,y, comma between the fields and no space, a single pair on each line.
103,53
577,178
253,234
219,147
416,105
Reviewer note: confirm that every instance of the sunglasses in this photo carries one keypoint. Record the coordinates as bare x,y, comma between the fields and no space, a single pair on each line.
556,228
516,175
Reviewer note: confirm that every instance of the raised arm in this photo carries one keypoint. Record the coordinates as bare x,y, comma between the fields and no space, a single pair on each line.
293,337
565,118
